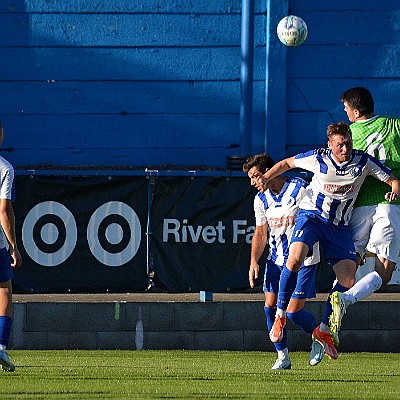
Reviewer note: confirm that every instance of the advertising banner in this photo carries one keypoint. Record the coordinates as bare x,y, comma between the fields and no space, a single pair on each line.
88,234
201,233
81,234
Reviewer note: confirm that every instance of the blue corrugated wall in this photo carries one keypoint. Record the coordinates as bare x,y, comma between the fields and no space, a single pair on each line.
148,83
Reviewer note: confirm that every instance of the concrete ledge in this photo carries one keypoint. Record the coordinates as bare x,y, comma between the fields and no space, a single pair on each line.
182,321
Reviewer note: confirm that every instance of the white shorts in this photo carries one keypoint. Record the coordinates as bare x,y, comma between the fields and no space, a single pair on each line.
377,229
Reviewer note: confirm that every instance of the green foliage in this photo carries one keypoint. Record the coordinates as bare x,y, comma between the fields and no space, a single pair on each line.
149,374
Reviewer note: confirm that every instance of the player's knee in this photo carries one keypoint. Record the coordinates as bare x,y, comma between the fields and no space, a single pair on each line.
293,264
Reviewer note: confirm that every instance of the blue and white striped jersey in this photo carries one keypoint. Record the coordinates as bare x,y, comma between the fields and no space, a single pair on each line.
334,187
279,211
7,190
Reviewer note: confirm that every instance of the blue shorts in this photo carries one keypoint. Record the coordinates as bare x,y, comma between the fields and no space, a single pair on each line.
5,265
305,288
336,241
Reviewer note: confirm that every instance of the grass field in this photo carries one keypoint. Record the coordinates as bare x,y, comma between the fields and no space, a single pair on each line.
197,375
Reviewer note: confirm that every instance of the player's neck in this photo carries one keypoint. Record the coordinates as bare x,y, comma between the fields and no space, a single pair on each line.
364,117
277,184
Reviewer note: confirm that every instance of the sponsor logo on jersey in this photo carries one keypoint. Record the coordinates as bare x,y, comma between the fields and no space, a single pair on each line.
338,189
282,221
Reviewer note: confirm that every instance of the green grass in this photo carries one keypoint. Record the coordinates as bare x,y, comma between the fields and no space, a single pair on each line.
197,375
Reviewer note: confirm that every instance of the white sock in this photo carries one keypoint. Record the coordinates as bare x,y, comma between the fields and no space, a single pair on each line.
2,347
363,288
282,354
280,313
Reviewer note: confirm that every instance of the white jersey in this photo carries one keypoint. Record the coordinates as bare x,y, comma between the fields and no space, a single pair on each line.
279,211
334,187
7,189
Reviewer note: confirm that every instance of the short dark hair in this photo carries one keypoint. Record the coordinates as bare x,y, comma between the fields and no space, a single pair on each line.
262,161
359,98
339,128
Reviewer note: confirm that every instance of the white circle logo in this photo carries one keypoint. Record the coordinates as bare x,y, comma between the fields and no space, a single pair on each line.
114,233
49,233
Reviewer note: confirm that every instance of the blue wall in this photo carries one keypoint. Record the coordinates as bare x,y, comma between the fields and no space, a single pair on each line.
149,83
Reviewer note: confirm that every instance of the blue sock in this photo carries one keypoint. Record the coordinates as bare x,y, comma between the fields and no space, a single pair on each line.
328,309
270,318
304,319
5,330
287,284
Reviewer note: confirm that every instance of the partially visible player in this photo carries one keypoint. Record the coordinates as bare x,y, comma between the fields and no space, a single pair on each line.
275,212
324,215
375,221
9,256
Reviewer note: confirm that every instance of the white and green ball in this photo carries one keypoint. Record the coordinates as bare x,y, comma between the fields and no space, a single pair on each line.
292,30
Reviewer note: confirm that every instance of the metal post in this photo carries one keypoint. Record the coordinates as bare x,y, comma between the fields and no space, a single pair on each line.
246,77
148,227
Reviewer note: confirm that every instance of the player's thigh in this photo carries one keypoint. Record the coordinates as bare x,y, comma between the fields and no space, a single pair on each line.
305,288
384,239
271,277
297,254
361,225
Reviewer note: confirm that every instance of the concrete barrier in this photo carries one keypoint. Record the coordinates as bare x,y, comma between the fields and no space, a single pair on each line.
182,321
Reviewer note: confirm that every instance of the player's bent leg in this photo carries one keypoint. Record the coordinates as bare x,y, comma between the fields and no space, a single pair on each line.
304,319
345,271
385,269
338,311
325,339
276,332
283,360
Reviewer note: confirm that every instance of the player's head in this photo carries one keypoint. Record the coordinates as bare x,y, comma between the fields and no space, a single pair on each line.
340,141
358,103
256,166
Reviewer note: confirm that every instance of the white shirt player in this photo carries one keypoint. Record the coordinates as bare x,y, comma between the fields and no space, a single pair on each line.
7,190
279,211
334,187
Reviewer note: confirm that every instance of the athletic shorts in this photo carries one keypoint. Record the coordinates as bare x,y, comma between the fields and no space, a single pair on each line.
377,229
335,241
5,265
305,288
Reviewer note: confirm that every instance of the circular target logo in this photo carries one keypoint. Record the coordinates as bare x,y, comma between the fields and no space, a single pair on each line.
49,233
114,233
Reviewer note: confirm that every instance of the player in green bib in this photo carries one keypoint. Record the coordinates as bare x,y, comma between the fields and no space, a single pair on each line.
375,222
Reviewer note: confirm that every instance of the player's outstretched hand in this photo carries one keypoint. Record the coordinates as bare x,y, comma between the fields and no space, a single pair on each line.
391,196
253,273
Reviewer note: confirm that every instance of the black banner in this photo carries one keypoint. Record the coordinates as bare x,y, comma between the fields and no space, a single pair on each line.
81,234
201,233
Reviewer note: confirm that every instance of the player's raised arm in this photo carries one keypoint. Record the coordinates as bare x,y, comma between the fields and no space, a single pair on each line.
394,194
278,169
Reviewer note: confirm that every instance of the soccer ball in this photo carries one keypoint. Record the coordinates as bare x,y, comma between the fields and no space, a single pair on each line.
292,30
